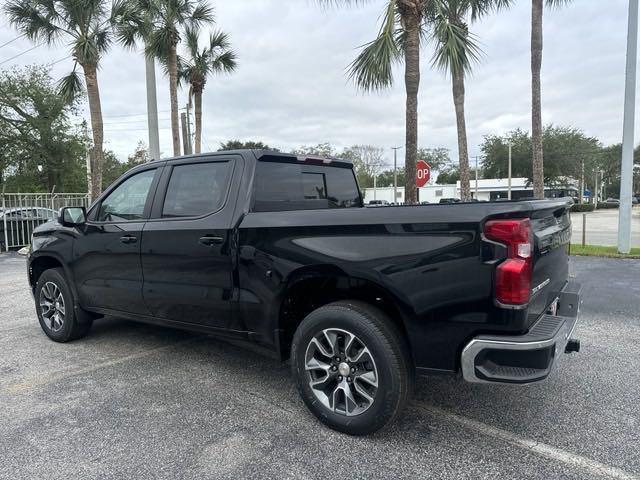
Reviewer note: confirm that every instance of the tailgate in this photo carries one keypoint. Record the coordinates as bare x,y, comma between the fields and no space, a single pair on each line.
551,238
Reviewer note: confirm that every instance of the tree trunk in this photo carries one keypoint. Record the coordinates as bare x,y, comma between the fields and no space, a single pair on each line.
412,82
197,101
463,152
172,62
536,107
95,110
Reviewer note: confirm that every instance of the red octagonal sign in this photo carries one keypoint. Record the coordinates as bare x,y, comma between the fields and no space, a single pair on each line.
423,173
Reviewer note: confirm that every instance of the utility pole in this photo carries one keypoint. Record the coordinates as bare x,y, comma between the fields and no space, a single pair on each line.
581,181
395,173
476,177
509,185
152,109
189,125
375,177
89,177
595,192
626,167
186,141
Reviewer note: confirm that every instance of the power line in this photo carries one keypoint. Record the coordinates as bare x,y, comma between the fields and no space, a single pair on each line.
59,60
20,54
132,114
11,41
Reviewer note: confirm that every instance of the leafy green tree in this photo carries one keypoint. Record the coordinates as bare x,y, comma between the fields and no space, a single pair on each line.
114,168
456,51
537,6
437,158
84,25
449,176
403,26
385,178
39,148
216,57
240,145
368,162
569,152
319,150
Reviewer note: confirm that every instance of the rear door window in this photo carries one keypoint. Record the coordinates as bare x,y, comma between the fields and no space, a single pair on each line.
283,186
196,189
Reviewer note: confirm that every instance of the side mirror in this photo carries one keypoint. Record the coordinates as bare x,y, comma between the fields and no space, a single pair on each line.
72,216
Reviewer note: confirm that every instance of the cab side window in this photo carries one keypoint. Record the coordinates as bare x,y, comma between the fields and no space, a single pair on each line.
126,203
196,189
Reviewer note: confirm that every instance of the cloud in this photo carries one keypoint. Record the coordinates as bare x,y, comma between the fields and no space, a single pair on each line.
290,88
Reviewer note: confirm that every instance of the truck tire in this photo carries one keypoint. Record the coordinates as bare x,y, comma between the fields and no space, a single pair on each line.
352,367
60,319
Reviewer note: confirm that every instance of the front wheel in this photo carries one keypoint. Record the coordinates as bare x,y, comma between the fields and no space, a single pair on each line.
55,308
352,367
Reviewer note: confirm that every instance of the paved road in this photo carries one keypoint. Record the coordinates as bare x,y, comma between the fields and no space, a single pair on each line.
602,227
136,401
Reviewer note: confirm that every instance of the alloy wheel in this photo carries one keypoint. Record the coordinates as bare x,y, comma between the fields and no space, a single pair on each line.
52,306
341,372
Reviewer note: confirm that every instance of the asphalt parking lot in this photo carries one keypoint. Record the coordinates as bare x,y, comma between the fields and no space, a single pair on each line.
137,401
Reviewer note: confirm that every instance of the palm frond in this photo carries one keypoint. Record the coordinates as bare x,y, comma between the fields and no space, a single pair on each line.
201,14
225,62
481,8
218,40
456,48
192,35
70,87
36,22
557,3
372,68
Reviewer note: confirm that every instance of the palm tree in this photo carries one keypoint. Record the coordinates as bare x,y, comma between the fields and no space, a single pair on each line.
456,50
84,25
216,57
161,24
403,25
537,7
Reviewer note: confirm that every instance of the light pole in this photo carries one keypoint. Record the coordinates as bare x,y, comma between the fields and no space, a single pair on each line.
626,167
395,173
509,185
152,109
476,177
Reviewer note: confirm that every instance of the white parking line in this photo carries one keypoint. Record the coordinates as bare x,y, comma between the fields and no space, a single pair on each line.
538,448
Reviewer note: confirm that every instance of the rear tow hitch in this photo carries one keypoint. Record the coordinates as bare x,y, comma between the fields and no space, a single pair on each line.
573,345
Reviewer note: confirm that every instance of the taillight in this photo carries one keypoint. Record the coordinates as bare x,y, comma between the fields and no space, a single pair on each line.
513,276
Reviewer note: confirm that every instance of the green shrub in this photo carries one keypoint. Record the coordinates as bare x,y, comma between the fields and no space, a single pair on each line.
582,207
608,205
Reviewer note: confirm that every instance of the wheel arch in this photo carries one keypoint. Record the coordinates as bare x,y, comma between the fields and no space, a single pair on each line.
39,263
310,288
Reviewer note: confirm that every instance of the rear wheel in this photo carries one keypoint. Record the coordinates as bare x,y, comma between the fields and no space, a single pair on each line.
55,307
352,367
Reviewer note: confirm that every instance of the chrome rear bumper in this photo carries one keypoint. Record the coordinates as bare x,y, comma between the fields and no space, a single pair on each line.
527,358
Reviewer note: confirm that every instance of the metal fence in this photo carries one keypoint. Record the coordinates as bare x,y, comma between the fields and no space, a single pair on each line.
20,213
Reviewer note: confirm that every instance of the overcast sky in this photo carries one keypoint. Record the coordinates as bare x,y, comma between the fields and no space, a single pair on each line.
290,88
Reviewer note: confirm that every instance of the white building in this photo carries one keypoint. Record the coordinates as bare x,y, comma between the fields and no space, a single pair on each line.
487,189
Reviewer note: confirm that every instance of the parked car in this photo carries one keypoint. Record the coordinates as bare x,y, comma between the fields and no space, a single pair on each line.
612,201
449,200
378,203
277,251
20,222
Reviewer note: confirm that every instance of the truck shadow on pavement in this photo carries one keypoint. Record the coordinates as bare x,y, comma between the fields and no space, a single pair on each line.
213,361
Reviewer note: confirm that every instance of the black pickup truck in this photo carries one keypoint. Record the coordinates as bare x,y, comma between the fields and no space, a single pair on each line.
278,251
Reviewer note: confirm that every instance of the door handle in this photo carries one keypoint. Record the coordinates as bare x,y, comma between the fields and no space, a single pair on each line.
209,240
128,239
